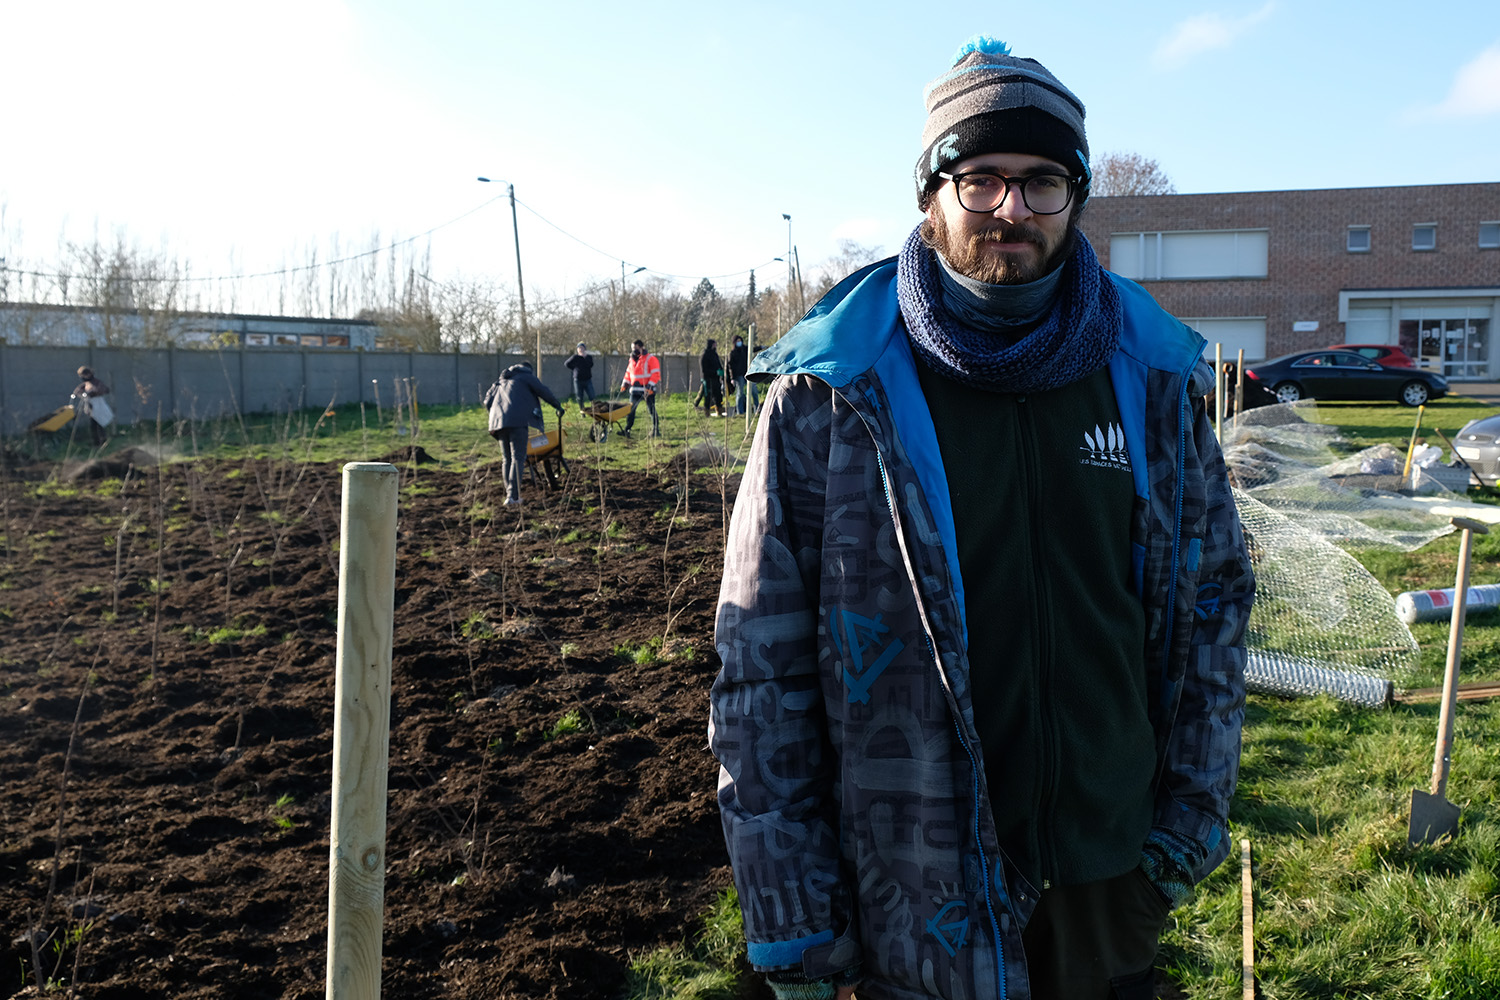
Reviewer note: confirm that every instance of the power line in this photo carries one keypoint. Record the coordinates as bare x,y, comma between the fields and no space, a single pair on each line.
265,274
615,257
147,279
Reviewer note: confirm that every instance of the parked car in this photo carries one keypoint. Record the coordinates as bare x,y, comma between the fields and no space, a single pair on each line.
1391,357
1344,375
1478,443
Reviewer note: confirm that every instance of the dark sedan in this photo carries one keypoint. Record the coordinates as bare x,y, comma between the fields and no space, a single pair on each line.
1386,354
1329,374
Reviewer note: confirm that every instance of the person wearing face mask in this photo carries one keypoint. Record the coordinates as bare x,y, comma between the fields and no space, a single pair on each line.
712,369
739,365
642,376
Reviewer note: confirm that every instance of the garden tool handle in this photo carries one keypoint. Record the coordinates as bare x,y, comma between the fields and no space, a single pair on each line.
1443,755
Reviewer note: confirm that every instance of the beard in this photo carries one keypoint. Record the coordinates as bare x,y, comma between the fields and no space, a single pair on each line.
972,257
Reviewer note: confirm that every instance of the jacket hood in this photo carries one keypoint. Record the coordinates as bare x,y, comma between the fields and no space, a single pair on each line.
820,344
517,369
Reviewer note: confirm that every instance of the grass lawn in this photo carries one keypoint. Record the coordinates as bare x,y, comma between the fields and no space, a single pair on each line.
1343,907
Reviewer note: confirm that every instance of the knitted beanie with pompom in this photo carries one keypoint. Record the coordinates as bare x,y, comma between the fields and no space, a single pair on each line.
993,102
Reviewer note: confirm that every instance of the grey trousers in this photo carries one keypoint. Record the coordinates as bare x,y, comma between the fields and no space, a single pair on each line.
512,459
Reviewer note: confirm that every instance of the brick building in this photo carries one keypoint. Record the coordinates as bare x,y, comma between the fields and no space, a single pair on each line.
1279,271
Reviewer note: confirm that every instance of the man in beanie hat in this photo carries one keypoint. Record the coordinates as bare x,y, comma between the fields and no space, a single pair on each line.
984,597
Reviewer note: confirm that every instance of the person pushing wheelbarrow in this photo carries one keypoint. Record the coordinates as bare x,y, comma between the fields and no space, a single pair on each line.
515,402
642,376
86,403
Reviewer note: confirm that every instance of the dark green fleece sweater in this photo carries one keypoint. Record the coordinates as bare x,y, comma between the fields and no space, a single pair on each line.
1043,506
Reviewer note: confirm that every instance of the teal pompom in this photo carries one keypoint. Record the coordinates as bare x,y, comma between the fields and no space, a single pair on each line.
982,43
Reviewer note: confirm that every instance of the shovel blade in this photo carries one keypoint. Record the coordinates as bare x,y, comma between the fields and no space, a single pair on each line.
1432,819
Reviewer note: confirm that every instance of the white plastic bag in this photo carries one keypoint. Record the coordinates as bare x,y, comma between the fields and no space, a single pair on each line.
101,411
1423,457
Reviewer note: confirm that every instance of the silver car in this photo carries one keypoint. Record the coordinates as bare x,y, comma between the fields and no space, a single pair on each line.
1478,443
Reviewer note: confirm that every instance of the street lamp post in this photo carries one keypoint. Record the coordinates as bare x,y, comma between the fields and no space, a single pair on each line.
520,286
788,219
625,316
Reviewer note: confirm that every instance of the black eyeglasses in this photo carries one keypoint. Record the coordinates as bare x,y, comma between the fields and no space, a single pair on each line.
985,191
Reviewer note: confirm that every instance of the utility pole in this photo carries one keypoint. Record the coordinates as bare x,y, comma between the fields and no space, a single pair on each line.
801,299
520,285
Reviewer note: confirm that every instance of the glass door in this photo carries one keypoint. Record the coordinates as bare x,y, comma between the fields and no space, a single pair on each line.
1427,338
1466,348
1450,339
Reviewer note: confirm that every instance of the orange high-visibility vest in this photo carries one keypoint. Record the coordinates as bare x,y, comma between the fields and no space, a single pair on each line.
643,372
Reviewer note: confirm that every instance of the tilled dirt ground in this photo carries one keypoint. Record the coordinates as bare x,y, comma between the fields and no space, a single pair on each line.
167,645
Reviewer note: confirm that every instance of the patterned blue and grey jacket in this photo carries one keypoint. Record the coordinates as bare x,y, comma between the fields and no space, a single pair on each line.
852,786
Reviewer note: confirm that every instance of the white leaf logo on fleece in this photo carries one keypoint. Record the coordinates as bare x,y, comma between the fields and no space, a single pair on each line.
1105,448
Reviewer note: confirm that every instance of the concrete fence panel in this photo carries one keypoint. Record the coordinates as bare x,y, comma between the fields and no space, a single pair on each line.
180,383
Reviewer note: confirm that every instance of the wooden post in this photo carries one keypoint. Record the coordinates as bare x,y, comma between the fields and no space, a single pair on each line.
1239,384
1218,387
361,730
1247,924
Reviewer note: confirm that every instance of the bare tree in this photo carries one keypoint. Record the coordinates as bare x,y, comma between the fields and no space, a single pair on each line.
1118,174
852,255
471,314
134,294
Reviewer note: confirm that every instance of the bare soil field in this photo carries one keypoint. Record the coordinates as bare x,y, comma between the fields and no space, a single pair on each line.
167,646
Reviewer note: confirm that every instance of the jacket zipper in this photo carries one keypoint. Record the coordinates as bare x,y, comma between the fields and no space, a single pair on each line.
1046,722
1178,488
984,863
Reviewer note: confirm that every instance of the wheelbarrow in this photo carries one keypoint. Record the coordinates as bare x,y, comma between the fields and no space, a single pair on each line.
604,413
54,421
544,448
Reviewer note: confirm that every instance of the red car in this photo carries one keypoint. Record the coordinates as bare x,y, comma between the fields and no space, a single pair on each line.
1384,354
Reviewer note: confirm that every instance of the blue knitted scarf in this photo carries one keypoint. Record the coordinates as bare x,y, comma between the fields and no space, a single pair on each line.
1076,338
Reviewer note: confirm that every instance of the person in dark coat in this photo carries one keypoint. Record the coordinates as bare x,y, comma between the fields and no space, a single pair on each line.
739,364
713,379
581,364
514,402
84,395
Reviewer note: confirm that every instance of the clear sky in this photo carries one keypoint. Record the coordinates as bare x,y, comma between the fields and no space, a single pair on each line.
669,135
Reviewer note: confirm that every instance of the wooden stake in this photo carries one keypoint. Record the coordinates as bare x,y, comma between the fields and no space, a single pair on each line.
1239,383
1219,387
1247,921
361,730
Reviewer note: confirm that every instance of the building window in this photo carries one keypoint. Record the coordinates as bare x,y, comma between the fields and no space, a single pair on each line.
1489,235
1424,236
1186,256
1233,334
1359,239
